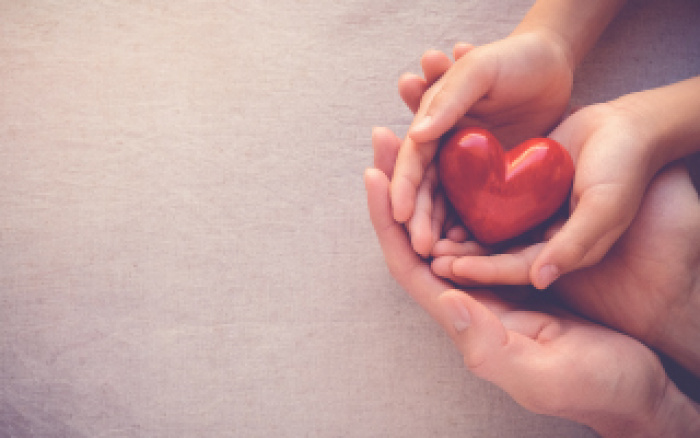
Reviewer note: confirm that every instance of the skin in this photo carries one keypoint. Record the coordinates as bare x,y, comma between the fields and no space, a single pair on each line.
617,148
496,87
659,254
550,361
513,101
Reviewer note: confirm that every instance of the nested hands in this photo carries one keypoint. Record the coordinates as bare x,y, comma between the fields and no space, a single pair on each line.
585,372
517,87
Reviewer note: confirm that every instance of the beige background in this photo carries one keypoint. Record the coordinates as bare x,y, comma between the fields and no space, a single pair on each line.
184,244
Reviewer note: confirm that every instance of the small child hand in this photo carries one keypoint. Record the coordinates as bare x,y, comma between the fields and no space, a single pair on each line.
611,149
517,87
430,212
617,148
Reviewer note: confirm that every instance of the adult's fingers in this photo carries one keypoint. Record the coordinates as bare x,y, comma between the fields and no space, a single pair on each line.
386,147
498,343
510,348
405,265
411,89
412,161
422,225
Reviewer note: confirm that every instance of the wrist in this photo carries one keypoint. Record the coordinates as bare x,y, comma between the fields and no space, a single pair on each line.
667,118
552,40
671,415
577,24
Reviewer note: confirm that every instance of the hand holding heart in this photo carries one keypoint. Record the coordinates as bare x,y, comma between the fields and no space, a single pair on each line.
610,148
611,177
515,344
491,86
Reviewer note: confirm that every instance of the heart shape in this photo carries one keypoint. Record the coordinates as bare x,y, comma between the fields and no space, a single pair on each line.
500,195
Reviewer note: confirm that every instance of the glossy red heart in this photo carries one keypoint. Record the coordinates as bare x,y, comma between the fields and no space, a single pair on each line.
500,195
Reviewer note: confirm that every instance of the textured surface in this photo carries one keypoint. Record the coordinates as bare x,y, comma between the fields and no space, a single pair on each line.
184,244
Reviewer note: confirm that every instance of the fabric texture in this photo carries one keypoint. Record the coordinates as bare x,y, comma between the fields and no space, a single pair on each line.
185,248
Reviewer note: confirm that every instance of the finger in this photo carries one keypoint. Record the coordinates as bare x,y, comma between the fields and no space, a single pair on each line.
503,269
600,217
477,332
386,148
457,233
453,228
509,349
420,225
490,349
461,49
442,267
434,64
440,212
411,89
451,97
449,247
404,264
411,163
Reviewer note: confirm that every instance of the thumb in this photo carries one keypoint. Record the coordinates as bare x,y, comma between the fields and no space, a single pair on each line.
511,360
598,220
477,332
451,97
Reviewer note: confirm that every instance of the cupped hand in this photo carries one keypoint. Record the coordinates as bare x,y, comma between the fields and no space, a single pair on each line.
548,360
611,148
611,152
645,286
517,87
431,211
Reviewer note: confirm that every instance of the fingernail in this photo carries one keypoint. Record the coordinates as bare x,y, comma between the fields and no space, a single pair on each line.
546,276
423,124
461,319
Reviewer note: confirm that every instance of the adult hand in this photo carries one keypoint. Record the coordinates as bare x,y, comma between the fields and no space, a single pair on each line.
645,286
548,360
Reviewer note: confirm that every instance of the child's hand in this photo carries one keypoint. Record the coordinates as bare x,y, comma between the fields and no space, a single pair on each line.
611,152
617,148
517,87
431,217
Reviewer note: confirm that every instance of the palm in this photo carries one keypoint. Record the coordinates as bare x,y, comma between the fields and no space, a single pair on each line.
549,360
648,272
572,354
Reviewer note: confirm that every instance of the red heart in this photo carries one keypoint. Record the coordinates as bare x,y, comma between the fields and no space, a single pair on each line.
500,195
